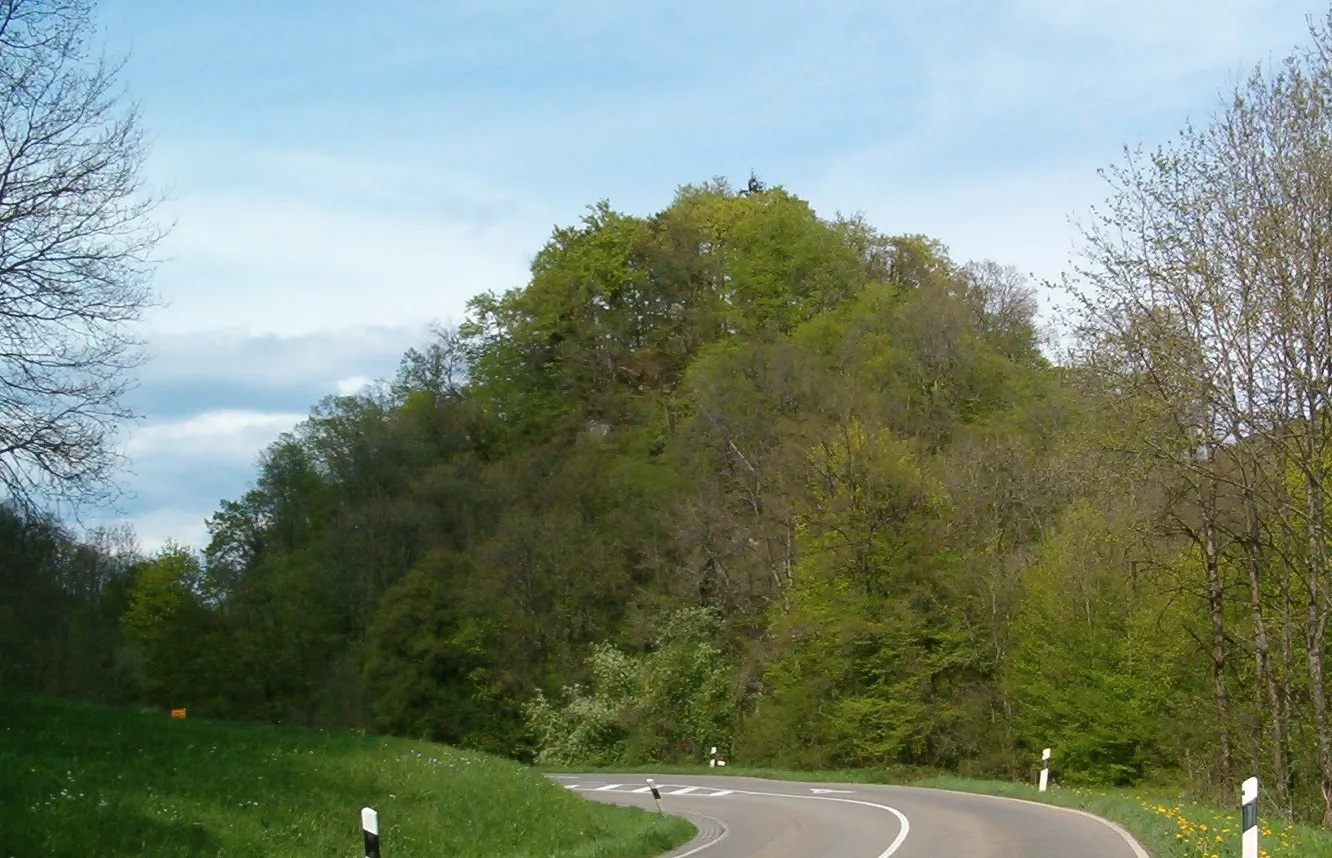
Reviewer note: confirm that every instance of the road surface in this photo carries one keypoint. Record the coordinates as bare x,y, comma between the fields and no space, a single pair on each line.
754,818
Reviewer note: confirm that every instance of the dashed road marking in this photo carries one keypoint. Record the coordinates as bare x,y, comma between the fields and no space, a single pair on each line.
666,789
692,791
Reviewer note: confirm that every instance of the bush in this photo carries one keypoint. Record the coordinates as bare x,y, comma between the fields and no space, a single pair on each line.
664,705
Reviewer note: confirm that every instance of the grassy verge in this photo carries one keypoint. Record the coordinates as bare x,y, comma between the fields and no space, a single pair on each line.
1168,824
80,780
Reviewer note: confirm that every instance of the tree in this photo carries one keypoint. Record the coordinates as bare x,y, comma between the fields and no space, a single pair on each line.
167,622
1210,318
76,234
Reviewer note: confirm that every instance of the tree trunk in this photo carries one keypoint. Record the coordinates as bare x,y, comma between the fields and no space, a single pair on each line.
1216,601
1316,635
1287,659
1262,656
1316,632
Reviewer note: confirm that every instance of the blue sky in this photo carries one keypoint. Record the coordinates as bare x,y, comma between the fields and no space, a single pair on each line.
343,173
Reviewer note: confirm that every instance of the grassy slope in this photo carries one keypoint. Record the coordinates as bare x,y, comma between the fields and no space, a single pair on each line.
1167,824
79,780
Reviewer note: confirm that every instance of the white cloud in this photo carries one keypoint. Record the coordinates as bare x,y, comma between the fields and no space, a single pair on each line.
304,242
354,384
236,354
287,266
155,528
213,435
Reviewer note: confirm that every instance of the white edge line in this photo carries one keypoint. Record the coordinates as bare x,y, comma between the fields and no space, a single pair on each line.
901,817
725,830
1138,851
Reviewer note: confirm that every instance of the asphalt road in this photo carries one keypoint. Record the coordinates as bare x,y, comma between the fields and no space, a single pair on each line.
754,818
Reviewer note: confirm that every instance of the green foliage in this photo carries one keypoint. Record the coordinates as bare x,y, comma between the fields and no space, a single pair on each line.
93,780
60,604
426,669
1096,670
168,624
665,704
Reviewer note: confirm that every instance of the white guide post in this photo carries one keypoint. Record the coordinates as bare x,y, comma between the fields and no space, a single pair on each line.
656,796
370,831
712,759
1045,769
1249,818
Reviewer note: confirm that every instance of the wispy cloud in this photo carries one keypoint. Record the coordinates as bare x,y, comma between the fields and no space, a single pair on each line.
279,264
231,436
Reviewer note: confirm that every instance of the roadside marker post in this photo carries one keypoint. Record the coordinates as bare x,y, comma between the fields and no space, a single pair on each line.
1045,770
1249,818
656,796
712,760
370,828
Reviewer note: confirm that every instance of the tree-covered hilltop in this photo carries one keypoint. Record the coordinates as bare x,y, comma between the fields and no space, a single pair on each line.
776,446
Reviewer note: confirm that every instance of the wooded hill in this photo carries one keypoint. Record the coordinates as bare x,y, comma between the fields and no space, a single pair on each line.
736,474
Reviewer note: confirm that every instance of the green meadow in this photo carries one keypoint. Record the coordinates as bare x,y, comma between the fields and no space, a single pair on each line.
83,780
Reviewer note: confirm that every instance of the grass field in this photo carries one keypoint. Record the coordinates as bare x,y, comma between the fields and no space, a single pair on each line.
1168,824
81,780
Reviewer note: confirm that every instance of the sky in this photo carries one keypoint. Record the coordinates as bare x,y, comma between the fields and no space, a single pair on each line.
338,175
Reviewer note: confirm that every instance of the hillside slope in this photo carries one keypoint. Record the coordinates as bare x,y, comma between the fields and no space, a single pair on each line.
81,780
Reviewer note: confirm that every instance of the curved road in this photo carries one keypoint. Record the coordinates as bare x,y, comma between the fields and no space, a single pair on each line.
753,818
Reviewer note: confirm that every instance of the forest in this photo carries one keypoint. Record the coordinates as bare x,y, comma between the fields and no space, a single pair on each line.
738,474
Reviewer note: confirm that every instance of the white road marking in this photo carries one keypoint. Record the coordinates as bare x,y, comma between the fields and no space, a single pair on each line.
725,830
905,825
1133,844
901,817
676,789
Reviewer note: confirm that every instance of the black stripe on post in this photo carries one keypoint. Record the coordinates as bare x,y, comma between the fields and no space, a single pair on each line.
370,828
1248,815
1249,819
655,794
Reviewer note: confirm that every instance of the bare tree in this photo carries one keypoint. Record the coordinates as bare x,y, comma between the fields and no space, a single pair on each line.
76,237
